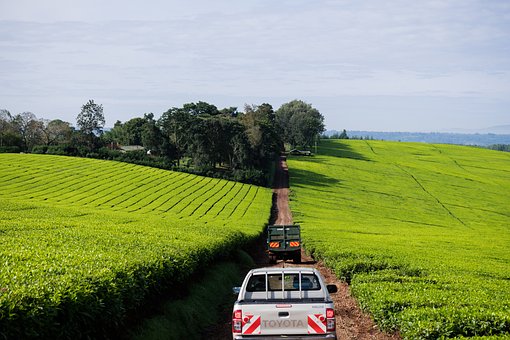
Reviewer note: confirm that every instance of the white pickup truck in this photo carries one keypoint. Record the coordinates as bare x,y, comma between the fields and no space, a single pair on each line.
284,303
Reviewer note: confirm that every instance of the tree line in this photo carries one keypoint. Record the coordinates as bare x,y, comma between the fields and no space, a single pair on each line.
197,137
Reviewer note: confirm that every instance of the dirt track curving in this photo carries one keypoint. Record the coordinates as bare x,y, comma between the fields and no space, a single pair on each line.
351,322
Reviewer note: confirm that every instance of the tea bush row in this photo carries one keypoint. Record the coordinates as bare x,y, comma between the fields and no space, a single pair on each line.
419,231
83,243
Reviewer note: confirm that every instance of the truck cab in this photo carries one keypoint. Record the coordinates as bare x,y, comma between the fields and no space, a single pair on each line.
286,303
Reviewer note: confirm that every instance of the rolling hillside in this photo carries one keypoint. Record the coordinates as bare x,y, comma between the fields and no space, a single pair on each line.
83,241
422,232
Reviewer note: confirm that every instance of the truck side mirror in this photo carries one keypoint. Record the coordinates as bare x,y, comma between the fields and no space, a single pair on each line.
332,288
236,290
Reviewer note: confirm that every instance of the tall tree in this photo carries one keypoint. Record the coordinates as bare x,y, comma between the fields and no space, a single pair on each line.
343,135
29,128
133,129
116,135
261,130
8,134
91,118
56,131
154,140
177,126
200,108
299,123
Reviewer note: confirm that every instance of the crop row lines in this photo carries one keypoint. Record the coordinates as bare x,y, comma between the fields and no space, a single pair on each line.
162,186
103,190
237,207
251,202
122,199
24,184
135,184
81,185
180,196
89,186
434,197
169,190
71,182
205,202
227,198
229,208
186,201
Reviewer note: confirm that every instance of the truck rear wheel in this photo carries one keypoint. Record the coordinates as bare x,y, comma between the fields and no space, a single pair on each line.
297,257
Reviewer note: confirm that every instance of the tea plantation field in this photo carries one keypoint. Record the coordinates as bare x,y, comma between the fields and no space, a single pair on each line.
83,241
421,232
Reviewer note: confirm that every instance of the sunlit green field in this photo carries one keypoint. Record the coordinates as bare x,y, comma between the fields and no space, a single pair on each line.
422,232
84,241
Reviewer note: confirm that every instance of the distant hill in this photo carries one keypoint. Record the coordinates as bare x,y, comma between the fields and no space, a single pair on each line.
482,139
499,129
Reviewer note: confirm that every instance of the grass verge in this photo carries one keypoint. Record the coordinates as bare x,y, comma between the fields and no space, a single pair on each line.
187,318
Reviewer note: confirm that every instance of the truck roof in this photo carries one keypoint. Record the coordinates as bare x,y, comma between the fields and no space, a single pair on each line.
272,270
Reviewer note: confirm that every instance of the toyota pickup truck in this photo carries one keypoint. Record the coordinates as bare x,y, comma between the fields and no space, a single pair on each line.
284,303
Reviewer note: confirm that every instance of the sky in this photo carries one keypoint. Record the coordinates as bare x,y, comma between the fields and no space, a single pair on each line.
365,65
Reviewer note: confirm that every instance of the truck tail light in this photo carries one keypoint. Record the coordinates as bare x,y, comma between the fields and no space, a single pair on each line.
330,320
274,244
237,323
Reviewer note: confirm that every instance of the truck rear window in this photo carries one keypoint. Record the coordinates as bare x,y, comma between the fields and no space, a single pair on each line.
257,283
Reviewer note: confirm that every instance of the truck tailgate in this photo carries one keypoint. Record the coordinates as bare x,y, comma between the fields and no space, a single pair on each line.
284,319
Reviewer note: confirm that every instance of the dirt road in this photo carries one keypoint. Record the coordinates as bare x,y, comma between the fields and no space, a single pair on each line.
281,190
351,322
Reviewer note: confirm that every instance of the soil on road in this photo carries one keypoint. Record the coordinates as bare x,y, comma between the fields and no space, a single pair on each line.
351,322
283,216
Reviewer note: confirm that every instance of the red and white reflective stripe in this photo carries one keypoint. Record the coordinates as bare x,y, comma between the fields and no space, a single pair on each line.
251,324
294,244
316,324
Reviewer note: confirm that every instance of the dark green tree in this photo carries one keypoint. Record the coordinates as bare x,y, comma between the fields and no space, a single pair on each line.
239,152
299,123
177,125
29,128
116,135
55,132
200,109
133,131
9,135
91,118
154,140
262,132
230,111
343,135
200,146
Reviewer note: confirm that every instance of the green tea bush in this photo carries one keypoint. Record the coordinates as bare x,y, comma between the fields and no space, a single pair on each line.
419,231
84,242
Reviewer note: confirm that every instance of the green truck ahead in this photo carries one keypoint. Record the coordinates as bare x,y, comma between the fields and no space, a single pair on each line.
284,243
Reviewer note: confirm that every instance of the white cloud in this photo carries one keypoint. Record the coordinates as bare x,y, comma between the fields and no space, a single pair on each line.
162,51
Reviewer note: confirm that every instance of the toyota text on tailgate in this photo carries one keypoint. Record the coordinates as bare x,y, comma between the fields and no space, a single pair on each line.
291,303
